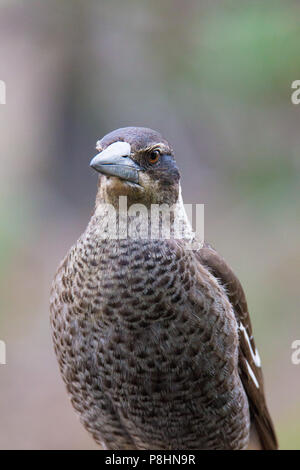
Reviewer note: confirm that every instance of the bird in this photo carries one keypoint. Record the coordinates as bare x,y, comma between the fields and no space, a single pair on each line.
152,333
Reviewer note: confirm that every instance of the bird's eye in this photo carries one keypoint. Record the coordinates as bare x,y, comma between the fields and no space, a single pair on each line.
154,157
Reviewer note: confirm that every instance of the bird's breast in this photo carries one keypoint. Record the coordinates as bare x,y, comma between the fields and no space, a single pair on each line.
149,330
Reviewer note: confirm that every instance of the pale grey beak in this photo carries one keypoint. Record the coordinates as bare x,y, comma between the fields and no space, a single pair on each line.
115,161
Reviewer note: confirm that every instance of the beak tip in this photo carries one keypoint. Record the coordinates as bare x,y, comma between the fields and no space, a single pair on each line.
93,163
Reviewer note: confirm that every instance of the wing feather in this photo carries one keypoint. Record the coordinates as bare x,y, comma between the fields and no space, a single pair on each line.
249,361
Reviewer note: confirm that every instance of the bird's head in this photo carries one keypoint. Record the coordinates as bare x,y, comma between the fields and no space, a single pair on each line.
138,163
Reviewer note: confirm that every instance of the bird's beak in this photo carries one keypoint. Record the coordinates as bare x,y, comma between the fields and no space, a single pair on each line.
115,161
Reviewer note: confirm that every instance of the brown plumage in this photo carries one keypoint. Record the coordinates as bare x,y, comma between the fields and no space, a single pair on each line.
154,339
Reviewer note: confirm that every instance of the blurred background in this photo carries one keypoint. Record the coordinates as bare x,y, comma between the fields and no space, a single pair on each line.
215,78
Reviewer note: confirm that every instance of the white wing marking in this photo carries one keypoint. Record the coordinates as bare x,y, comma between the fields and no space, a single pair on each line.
255,356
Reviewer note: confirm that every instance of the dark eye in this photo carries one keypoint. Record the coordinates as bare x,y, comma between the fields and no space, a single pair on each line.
154,157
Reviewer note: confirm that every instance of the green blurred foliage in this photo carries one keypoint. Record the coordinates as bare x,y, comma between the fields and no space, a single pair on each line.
247,51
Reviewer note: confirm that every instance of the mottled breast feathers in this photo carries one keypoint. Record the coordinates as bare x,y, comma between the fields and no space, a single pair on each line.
147,343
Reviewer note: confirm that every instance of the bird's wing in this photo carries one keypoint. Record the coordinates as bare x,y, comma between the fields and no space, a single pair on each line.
249,361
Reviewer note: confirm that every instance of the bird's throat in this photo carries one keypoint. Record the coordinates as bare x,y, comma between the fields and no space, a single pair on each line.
139,221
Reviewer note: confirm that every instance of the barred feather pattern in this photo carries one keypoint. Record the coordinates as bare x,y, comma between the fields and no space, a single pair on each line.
148,346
